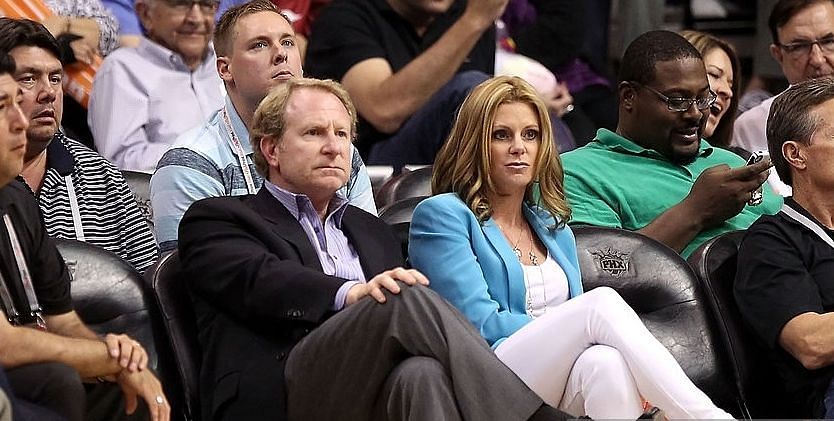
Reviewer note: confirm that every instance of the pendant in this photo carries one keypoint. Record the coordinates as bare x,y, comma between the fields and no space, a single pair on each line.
534,260
517,252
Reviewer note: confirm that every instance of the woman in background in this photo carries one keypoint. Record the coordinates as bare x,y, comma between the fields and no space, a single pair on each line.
724,76
493,242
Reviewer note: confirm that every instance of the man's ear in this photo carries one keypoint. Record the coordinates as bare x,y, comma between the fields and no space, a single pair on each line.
795,154
776,53
627,95
143,11
224,69
269,150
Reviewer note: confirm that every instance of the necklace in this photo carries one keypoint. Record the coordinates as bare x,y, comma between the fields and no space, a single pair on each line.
534,263
516,250
534,260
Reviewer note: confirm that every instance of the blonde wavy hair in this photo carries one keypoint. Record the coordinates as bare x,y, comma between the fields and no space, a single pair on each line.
462,165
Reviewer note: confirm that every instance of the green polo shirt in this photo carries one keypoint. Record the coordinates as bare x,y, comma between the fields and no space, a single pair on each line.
613,182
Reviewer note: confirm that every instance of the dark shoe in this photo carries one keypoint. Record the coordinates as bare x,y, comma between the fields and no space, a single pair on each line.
653,413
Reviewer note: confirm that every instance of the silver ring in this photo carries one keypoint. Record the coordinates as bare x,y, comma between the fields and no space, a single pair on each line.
159,399
569,108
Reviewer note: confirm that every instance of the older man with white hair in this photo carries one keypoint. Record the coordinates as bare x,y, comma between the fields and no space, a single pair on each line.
144,97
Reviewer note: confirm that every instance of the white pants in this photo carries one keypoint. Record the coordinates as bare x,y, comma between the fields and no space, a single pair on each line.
592,355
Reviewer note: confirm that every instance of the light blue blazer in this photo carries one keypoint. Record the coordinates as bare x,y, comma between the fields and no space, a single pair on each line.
473,265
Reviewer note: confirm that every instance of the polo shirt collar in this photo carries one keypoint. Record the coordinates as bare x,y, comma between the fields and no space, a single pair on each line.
613,141
797,207
58,157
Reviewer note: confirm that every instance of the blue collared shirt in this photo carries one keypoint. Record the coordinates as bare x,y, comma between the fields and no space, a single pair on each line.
337,256
143,98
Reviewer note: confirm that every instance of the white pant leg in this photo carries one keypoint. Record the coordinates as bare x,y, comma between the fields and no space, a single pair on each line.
601,386
543,352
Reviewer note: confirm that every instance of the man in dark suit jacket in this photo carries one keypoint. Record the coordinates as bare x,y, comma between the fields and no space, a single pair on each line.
279,279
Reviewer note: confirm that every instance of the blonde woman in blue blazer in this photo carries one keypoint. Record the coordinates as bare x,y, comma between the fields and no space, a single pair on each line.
493,241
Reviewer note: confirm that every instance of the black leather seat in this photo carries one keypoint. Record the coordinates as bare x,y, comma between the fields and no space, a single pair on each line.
661,287
758,386
407,184
108,294
139,184
180,324
398,216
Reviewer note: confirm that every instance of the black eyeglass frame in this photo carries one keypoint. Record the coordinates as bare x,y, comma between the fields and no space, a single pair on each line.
204,5
803,48
685,103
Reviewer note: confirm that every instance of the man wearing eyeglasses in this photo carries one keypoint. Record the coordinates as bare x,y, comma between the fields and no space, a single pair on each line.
803,44
144,97
655,174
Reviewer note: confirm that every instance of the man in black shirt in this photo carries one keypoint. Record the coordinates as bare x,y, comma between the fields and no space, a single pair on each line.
785,280
45,348
407,65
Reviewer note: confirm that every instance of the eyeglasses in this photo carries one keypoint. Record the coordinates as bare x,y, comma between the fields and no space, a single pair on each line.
206,6
682,105
803,48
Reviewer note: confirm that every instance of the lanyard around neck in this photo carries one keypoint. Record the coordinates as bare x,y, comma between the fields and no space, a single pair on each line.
25,278
802,219
74,209
241,155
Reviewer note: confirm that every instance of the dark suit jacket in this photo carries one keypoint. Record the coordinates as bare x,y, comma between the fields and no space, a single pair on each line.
258,288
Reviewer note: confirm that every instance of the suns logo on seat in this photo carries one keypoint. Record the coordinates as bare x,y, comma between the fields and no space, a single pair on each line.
611,261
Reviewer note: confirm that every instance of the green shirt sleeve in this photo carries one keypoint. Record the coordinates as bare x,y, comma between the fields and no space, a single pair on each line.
587,202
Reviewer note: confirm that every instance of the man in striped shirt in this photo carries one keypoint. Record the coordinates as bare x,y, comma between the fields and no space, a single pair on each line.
80,194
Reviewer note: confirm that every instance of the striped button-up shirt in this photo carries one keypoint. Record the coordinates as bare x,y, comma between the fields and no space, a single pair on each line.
337,256
109,215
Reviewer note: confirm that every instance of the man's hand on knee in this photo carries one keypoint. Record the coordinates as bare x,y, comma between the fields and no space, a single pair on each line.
385,280
130,353
145,385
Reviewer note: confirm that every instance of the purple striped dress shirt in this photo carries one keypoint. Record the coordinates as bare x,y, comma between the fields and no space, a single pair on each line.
337,256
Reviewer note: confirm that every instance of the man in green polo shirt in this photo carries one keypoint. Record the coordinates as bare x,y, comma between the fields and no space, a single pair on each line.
656,175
